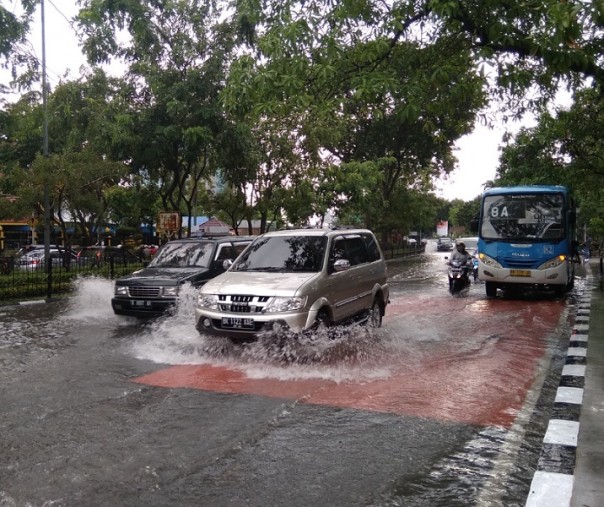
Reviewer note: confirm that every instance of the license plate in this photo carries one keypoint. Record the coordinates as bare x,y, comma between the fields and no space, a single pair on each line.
141,303
520,272
237,323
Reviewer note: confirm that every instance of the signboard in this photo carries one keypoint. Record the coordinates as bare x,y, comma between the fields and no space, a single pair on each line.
168,221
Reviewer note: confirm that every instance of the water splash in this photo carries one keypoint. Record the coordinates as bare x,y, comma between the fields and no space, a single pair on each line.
91,301
353,353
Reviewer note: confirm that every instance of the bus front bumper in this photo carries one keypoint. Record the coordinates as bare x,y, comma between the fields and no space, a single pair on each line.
549,276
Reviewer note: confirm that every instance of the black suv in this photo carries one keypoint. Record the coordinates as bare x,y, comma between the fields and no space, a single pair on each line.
153,289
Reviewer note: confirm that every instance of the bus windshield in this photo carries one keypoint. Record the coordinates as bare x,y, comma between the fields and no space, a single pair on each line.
523,217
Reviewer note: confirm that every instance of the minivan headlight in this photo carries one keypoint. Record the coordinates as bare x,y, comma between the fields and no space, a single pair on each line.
209,301
285,304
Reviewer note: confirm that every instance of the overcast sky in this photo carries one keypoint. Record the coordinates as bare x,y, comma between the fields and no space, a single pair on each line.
477,152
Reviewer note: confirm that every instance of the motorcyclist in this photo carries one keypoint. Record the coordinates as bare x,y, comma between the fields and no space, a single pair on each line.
460,254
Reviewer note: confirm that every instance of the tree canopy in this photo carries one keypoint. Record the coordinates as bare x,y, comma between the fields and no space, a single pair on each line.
565,148
282,110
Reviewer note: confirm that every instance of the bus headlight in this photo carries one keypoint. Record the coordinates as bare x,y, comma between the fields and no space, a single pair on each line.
488,261
553,263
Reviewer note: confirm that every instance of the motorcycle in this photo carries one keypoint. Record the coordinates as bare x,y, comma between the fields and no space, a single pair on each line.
459,276
475,267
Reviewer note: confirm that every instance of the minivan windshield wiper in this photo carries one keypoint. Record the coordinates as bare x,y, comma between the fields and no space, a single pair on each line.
274,269
268,269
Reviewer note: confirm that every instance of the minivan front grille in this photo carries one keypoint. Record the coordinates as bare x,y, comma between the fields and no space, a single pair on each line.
240,303
241,299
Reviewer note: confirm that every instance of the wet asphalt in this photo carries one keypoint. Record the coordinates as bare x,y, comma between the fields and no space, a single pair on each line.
77,430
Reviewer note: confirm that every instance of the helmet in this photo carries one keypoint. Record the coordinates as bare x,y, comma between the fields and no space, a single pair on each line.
462,245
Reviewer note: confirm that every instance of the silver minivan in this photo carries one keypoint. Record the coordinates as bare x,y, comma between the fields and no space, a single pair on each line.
297,279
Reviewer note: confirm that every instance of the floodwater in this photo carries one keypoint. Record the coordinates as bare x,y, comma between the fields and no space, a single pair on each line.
490,364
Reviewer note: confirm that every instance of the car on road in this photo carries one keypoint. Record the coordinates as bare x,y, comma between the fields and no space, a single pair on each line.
444,244
24,250
297,279
154,289
34,260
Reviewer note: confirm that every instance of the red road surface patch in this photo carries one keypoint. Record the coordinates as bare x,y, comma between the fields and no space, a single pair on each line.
478,375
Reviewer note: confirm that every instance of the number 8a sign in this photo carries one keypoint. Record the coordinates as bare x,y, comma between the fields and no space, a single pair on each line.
168,221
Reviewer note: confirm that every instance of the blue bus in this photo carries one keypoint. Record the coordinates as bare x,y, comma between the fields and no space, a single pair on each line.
525,238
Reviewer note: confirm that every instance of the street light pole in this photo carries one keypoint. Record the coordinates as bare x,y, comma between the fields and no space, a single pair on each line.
45,153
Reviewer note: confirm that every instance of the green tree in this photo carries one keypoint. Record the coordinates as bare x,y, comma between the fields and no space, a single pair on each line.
15,54
177,56
360,103
565,149
230,205
462,212
77,172
537,44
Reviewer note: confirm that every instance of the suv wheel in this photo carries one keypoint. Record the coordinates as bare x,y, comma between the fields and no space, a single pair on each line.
374,317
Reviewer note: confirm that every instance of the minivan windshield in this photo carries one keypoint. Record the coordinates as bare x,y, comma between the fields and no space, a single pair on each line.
183,255
283,254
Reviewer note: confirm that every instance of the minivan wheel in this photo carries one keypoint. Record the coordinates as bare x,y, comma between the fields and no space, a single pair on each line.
374,318
322,320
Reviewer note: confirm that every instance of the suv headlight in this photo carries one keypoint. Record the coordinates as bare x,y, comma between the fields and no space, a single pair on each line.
488,261
170,291
121,290
209,301
285,304
553,263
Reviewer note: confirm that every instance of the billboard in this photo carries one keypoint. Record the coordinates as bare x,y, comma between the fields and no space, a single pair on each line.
442,228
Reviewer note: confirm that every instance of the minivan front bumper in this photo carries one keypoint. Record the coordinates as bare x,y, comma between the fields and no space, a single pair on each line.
242,325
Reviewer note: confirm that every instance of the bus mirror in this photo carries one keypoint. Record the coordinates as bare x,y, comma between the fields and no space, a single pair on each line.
572,217
474,225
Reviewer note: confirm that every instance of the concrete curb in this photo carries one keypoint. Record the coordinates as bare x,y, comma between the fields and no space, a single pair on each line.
553,482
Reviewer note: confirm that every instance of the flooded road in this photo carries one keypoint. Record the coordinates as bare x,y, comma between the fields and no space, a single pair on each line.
446,404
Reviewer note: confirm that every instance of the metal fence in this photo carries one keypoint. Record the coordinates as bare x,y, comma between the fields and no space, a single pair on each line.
397,252
25,282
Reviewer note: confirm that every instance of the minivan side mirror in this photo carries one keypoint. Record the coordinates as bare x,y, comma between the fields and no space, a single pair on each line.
341,265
